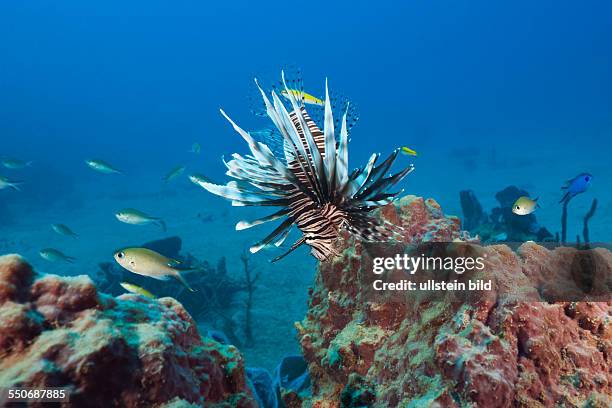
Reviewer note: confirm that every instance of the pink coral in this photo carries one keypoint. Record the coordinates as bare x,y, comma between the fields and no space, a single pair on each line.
128,351
491,352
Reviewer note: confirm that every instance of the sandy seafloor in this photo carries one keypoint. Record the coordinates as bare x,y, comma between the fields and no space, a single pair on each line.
281,297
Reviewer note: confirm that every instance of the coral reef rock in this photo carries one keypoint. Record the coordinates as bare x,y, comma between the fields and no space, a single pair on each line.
496,352
128,351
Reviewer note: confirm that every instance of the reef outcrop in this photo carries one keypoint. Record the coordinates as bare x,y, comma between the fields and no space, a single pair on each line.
501,225
128,351
495,351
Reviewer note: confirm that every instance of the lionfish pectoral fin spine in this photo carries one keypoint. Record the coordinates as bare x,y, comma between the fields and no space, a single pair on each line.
293,248
282,238
242,225
267,240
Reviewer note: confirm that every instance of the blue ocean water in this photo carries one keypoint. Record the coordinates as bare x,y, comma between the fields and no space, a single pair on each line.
490,94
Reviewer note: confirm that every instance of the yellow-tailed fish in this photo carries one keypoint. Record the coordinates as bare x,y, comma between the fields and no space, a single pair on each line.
64,230
174,173
195,148
136,217
524,206
145,262
6,183
54,255
102,167
130,287
306,97
408,151
10,163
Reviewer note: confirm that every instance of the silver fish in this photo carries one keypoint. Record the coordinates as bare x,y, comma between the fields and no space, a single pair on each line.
174,173
54,255
136,217
64,230
6,183
10,163
102,167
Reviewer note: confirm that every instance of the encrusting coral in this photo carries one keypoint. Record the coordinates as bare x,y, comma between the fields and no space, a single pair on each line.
437,352
128,351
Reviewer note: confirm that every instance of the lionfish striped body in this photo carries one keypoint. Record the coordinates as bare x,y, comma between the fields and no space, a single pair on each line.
311,183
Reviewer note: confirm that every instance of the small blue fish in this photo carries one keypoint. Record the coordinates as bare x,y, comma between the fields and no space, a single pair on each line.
577,185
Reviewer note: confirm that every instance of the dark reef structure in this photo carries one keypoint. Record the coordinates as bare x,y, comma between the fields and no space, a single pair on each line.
128,351
501,224
493,352
473,214
585,223
250,280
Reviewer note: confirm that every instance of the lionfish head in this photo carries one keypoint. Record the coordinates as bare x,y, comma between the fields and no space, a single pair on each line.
307,179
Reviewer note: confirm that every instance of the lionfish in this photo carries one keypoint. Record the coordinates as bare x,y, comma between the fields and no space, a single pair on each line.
311,184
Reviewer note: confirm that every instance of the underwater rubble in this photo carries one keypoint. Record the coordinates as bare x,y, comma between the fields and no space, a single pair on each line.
128,351
493,352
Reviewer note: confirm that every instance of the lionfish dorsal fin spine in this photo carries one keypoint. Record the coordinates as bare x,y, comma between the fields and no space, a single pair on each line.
275,117
317,160
342,156
302,150
330,144
260,151
383,184
362,177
